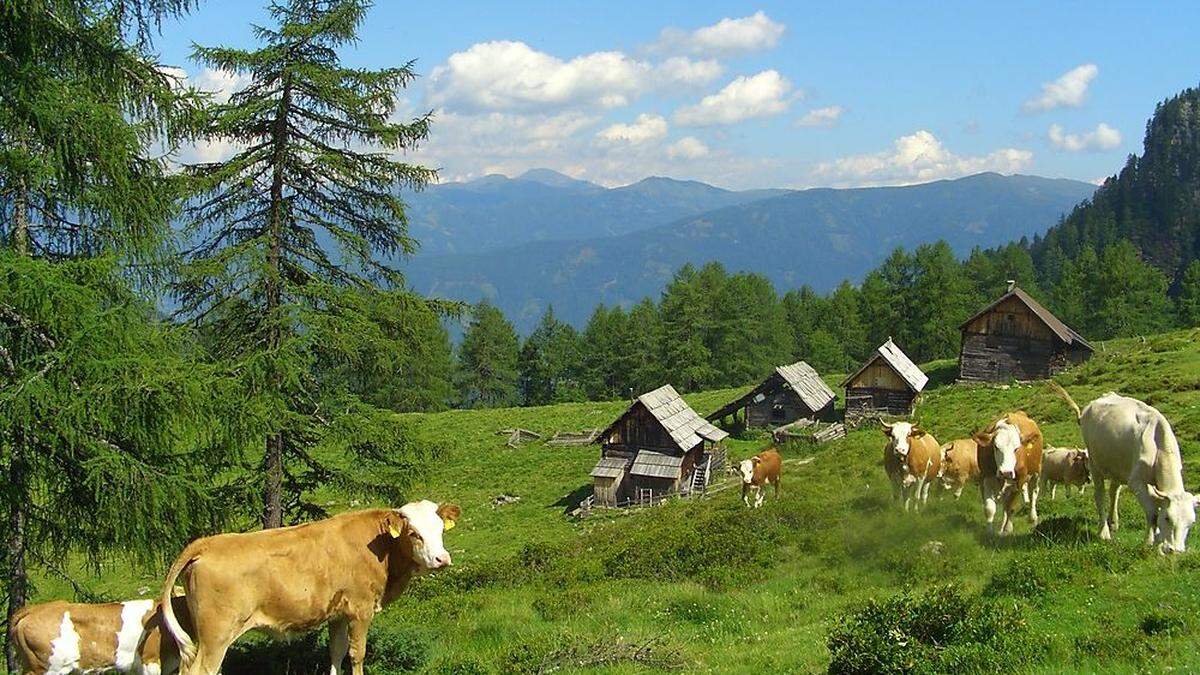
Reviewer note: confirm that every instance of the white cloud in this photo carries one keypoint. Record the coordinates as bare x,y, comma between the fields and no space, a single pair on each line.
1068,90
761,95
646,128
682,70
1103,137
505,75
688,147
821,117
728,36
221,84
917,158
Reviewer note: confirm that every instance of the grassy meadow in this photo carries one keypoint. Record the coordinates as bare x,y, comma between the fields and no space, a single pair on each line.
831,576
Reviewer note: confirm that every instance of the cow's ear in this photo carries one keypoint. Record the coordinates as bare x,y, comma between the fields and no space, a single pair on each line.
917,431
449,513
756,459
393,524
983,439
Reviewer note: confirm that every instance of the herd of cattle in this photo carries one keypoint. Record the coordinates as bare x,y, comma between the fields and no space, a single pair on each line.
1129,443
343,570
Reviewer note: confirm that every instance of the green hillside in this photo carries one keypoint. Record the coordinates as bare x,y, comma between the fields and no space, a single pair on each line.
712,586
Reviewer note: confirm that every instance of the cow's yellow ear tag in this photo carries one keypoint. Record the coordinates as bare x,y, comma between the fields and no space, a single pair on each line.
449,525
394,531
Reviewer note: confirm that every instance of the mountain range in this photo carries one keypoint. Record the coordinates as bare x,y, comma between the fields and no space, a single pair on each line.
546,239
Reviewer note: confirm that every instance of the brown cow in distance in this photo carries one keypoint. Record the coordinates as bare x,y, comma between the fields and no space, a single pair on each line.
1010,465
761,470
70,637
960,464
919,454
341,571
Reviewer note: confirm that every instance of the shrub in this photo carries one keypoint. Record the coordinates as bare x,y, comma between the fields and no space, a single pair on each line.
940,631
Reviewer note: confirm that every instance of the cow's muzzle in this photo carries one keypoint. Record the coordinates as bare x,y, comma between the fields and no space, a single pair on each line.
1007,475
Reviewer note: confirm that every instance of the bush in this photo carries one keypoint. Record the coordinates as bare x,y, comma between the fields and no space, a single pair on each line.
940,631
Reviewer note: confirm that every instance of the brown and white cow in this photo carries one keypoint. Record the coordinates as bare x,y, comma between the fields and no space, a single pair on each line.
1131,443
960,464
341,571
757,473
920,456
1010,466
63,638
1065,466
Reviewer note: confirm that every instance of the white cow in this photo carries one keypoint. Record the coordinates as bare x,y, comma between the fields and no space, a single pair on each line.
1131,442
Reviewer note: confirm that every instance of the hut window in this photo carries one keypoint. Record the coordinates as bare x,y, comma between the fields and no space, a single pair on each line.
777,411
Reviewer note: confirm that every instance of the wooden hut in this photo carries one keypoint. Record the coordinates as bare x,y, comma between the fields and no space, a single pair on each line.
887,383
659,446
1016,338
788,394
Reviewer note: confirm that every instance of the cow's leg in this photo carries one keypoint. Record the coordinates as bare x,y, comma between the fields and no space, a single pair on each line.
1149,507
760,493
1101,508
958,491
1053,490
777,487
1035,488
1008,502
339,645
746,495
989,506
358,644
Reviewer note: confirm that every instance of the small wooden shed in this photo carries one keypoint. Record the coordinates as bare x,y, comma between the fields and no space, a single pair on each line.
1016,338
887,383
658,447
789,393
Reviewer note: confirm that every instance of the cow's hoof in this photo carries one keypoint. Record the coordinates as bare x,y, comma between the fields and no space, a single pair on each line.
1105,534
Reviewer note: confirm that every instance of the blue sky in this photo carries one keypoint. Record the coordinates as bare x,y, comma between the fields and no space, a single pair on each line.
765,94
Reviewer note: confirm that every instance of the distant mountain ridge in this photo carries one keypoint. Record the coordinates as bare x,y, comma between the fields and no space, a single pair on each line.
495,211
817,237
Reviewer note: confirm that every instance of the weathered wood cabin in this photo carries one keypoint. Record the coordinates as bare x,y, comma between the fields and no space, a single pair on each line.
788,394
887,383
1016,338
658,447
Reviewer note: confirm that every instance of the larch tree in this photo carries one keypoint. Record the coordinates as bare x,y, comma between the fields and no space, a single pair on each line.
90,384
292,232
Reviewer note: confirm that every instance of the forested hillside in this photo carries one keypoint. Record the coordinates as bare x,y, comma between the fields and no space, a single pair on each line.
1153,202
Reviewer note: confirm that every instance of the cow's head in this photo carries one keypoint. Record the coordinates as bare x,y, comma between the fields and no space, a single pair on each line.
746,469
1079,467
1176,515
898,435
420,525
1004,439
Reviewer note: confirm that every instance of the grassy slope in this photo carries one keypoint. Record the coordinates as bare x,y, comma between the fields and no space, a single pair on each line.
725,589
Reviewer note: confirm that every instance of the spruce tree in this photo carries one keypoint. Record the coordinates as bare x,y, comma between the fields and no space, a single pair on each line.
549,363
303,214
1188,302
487,360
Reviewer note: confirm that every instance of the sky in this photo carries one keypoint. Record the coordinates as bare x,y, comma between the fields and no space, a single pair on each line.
768,94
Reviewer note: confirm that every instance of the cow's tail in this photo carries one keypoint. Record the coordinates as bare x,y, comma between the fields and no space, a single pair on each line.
1066,397
187,648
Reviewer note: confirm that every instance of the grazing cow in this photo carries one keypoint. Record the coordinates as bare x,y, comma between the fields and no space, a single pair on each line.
758,472
920,456
62,638
341,570
1068,466
1010,465
1131,443
960,464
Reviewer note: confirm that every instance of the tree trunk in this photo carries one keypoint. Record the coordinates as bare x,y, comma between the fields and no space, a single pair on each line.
273,460
20,233
16,577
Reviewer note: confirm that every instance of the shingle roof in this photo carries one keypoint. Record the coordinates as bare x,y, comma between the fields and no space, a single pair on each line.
610,467
1056,326
685,427
899,362
807,384
802,379
656,465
